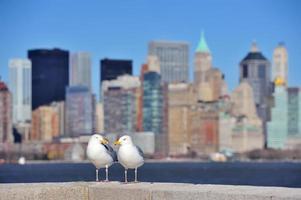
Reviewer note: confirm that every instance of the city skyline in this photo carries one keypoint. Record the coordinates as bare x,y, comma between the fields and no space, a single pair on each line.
91,26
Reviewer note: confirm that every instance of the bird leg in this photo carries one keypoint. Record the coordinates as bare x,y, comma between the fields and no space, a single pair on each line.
97,175
136,175
107,173
125,175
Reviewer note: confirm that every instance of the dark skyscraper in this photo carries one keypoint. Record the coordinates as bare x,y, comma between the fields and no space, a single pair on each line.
50,75
112,68
255,69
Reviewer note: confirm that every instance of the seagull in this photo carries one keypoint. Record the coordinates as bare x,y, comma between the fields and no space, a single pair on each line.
129,155
100,153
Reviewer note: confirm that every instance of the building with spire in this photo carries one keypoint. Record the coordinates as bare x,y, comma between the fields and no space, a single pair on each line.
202,61
208,80
255,69
173,58
280,63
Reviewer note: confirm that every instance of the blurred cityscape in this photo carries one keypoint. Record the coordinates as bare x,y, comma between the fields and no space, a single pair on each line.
48,110
175,103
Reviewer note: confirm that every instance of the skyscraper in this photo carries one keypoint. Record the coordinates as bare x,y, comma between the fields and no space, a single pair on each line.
50,75
208,80
278,126
20,87
6,128
173,58
79,111
153,103
284,129
110,69
80,69
255,69
120,104
280,63
202,61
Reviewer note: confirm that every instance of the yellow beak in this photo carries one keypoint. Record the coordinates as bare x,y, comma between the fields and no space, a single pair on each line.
117,142
104,141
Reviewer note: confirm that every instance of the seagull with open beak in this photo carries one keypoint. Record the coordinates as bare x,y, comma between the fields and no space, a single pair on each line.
100,153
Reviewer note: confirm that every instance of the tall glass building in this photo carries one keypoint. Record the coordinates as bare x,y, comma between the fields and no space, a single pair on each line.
20,87
80,69
278,126
50,75
79,111
284,129
173,58
153,103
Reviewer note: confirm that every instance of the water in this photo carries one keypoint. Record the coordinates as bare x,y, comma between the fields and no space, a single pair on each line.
233,173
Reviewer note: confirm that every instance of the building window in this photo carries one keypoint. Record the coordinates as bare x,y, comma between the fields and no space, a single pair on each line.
261,71
245,71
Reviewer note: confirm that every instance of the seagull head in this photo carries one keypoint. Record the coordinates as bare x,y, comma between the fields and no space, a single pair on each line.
99,139
124,140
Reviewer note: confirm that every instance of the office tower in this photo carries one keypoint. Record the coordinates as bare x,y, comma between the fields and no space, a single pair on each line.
255,69
47,122
120,101
155,110
280,63
202,61
6,128
208,80
284,129
110,69
80,69
180,100
50,75
294,111
79,111
277,128
173,58
20,87
153,103
293,118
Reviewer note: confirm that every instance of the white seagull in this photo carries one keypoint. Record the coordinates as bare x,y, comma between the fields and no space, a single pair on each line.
129,155
100,153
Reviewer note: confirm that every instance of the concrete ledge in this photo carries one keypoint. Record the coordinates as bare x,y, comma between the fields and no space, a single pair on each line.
144,191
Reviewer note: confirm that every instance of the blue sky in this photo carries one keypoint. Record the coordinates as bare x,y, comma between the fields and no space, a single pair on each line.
122,29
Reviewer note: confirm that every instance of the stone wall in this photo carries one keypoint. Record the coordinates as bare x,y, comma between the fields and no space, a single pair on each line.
142,191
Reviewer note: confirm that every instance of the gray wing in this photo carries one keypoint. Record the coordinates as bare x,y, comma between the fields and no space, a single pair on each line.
111,152
140,151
